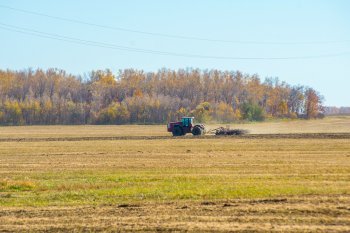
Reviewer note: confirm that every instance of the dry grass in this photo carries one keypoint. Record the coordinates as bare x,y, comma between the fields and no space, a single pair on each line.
338,124
223,184
60,131
294,214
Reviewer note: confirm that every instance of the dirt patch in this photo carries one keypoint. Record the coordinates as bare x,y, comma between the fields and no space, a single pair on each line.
208,203
269,200
128,206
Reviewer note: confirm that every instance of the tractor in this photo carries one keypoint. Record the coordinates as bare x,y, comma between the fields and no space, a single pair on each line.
185,126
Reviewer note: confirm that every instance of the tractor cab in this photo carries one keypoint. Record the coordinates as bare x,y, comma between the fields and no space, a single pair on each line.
187,121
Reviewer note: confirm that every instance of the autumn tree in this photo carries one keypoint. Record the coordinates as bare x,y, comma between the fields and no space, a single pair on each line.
54,96
312,103
202,112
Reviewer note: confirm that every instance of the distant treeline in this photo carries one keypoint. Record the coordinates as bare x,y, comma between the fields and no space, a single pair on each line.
337,111
133,96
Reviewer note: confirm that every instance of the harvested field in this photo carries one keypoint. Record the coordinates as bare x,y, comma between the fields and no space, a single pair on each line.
331,125
271,182
203,137
293,214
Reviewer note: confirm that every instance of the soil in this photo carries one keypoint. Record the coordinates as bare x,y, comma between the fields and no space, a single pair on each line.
247,136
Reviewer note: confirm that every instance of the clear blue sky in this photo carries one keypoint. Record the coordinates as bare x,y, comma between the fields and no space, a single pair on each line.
297,28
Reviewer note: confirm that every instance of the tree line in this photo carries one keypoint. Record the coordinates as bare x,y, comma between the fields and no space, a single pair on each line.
53,96
331,110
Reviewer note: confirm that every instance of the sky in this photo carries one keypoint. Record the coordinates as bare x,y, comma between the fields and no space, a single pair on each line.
302,42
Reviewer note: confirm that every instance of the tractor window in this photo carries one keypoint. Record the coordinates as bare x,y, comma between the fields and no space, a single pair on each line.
186,121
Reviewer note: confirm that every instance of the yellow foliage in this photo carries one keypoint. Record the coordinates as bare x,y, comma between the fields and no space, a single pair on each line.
225,113
282,108
105,77
48,105
182,112
138,93
13,111
108,80
238,114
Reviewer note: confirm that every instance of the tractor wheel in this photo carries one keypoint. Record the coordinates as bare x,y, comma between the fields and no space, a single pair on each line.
197,130
177,131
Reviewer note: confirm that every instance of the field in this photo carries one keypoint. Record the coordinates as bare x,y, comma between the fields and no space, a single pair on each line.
139,178
339,124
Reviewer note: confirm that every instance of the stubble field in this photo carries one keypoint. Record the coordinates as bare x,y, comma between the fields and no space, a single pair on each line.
138,178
